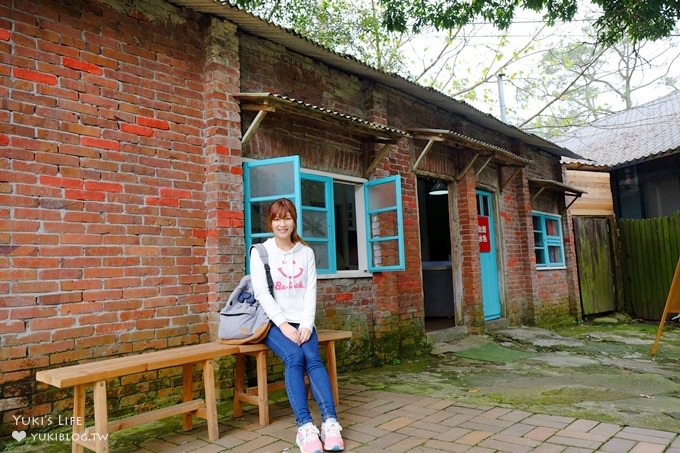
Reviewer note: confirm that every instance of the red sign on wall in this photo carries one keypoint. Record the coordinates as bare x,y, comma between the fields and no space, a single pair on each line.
484,238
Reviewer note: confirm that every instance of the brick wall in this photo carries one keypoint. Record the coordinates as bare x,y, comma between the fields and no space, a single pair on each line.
106,151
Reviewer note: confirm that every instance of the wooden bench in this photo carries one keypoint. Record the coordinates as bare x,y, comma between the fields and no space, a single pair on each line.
259,395
96,373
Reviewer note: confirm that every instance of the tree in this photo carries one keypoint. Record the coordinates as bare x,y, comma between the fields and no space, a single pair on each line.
639,20
345,26
581,82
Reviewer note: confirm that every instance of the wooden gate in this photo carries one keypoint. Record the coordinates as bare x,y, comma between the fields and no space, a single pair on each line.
650,249
595,257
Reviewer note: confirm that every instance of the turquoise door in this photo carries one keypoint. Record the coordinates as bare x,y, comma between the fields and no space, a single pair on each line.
487,256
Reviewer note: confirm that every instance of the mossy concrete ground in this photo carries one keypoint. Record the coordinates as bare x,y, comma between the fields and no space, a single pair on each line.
597,371
601,372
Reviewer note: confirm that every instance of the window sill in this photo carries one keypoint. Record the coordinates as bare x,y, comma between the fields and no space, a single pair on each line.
345,274
555,268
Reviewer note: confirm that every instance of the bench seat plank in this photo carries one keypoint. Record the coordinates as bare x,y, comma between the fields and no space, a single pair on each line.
86,373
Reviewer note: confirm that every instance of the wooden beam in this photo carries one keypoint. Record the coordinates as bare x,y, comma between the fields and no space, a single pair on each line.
537,193
481,169
427,147
512,176
382,153
254,126
467,167
576,197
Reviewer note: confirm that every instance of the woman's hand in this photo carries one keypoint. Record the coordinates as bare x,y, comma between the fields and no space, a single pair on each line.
291,333
305,334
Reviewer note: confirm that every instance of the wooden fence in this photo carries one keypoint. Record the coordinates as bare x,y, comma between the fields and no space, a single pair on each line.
649,253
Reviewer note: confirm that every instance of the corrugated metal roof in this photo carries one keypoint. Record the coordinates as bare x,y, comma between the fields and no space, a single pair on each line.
648,131
456,137
380,131
557,186
294,41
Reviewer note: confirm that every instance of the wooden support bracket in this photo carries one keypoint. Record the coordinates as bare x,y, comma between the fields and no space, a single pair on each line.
512,176
486,162
426,149
540,191
576,197
255,124
460,175
381,154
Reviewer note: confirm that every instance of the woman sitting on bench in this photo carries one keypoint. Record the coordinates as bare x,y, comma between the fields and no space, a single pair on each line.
293,337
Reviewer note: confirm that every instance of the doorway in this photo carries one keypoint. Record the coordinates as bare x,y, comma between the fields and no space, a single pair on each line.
435,249
491,295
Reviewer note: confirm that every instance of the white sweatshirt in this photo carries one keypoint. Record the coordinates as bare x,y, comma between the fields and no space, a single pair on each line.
294,275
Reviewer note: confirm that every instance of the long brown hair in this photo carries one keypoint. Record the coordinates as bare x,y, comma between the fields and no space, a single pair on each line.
280,208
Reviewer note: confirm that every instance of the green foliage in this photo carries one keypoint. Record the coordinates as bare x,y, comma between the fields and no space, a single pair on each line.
638,19
352,27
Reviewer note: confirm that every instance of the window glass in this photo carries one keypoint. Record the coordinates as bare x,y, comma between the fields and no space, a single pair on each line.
271,180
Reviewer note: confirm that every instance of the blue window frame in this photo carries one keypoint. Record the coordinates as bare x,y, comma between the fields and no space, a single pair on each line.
266,181
548,243
385,226
318,220
332,218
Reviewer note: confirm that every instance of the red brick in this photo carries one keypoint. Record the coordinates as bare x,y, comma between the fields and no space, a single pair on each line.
33,312
12,327
4,140
103,186
51,347
5,34
50,323
34,76
153,123
173,202
137,130
167,192
85,195
81,65
75,332
70,356
100,143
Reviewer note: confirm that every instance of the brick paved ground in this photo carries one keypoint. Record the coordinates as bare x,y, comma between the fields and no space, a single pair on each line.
393,422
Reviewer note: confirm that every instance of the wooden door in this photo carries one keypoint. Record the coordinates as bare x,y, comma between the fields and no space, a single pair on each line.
595,258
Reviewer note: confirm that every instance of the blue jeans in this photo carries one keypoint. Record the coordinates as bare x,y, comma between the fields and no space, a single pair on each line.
298,359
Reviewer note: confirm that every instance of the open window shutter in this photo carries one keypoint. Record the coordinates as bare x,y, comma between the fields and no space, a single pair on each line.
265,181
384,224
318,220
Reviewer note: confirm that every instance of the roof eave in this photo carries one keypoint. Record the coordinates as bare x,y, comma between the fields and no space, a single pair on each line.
259,27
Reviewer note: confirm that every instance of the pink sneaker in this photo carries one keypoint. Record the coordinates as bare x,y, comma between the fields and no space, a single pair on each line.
308,439
330,435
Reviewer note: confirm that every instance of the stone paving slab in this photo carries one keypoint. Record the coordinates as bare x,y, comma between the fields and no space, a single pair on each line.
394,422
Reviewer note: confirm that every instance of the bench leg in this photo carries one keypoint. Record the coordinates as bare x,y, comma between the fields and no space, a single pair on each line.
262,390
101,418
239,384
332,370
210,399
187,384
78,417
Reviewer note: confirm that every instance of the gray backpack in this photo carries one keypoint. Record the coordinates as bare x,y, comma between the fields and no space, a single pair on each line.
243,320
